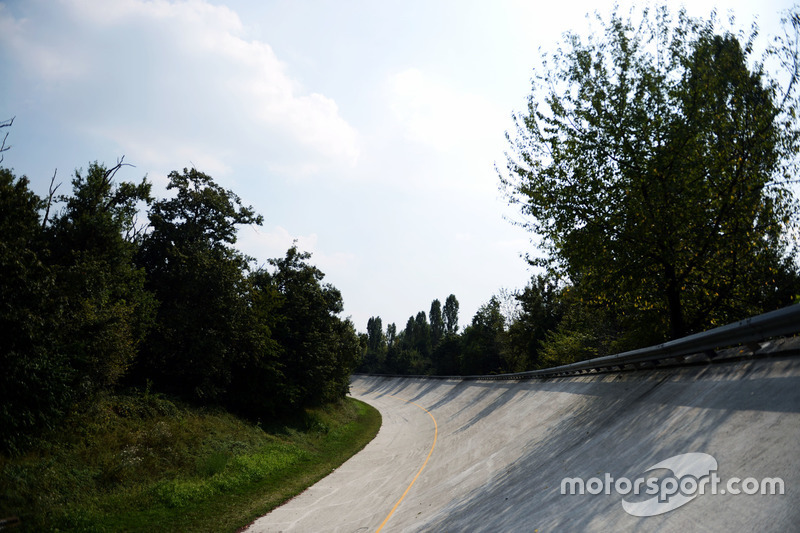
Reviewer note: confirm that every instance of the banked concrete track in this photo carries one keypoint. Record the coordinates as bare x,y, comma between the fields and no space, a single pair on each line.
491,455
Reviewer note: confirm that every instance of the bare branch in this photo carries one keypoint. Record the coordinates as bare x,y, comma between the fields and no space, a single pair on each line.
137,230
5,124
50,196
109,175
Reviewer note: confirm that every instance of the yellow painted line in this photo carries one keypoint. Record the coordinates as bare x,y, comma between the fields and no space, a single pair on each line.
435,435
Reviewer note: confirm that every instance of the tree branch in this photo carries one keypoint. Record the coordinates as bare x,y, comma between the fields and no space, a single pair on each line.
50,195
5,124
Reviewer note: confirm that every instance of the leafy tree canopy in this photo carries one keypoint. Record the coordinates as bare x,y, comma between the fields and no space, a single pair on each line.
319,350
201,211
655,159
200,281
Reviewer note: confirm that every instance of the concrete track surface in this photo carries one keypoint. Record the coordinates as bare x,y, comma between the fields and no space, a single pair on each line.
462,456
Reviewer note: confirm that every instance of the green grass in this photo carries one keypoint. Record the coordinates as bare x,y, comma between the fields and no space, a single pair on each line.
141,462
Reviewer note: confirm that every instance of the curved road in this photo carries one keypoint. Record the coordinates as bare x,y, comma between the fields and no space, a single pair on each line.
457,455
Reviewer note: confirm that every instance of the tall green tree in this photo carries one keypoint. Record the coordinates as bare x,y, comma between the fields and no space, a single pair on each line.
391,333
375,333
483,341
390,364
406,357
654,160
319,350
450,315
437,323
422,335
540,311
36,378
376,346
106,309
200,280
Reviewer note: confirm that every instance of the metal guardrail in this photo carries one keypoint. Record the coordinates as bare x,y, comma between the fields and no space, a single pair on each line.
780,323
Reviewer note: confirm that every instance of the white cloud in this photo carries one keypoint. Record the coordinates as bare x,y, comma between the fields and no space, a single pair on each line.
274,243
165,153
459,130
172,75
40,55
110,13
444,117
263,245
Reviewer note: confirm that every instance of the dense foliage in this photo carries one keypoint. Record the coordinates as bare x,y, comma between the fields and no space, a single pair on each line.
92,301
656,160
506,334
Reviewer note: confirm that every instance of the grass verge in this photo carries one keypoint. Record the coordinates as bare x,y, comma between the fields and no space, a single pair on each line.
141,462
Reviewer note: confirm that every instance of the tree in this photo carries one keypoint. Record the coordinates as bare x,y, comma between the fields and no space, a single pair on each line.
391,333
577,332
540,311
422,335
319,350
3,148
406,357
375,334
376,346
447,356
258,385
35,382
390,364
483,341
437,323
450,315
200,281
106,311
654,160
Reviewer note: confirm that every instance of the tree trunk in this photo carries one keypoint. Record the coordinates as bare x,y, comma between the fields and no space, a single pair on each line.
677,326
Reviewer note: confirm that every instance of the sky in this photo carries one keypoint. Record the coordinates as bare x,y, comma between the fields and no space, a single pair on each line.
366,130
